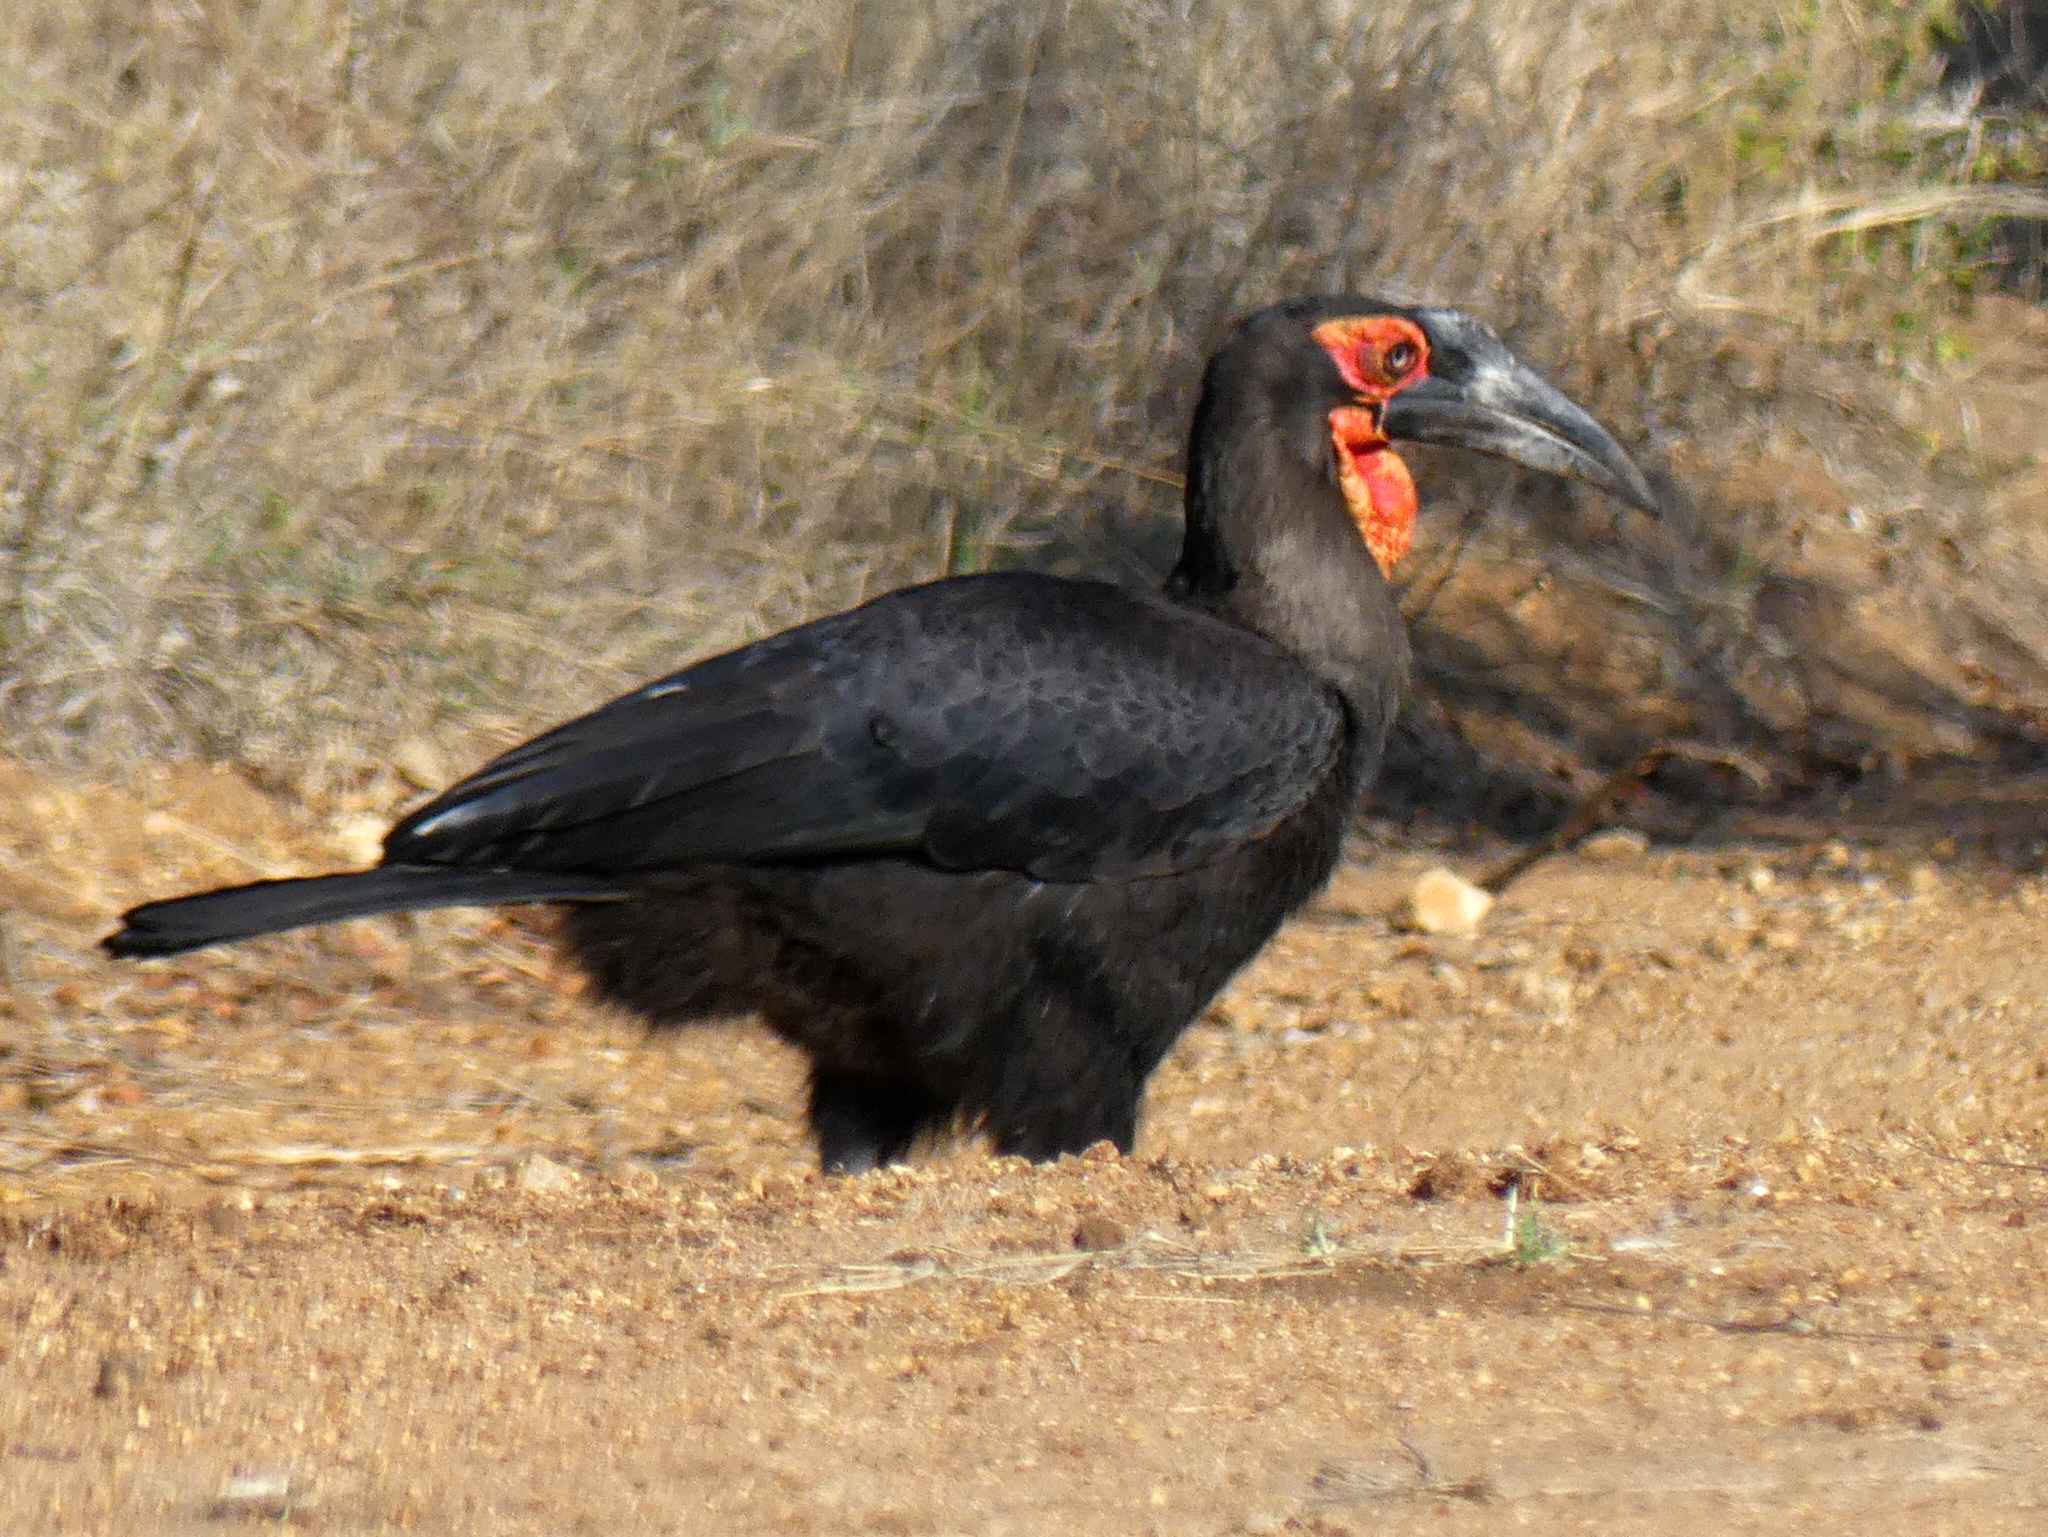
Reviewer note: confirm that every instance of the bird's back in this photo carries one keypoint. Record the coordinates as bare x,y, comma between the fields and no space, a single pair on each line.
1065,730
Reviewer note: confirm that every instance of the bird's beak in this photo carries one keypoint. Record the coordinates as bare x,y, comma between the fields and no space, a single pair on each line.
1498,406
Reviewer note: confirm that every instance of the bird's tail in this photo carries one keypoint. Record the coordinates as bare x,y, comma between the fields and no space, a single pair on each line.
269,907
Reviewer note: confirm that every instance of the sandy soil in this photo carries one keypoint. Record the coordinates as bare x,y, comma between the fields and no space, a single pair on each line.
1699,1192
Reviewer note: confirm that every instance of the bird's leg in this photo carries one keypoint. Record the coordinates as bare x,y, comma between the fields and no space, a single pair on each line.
862,1123
1063,1094
1042,1141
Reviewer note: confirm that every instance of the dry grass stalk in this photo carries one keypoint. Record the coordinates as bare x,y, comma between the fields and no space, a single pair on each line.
375,371
1147,1252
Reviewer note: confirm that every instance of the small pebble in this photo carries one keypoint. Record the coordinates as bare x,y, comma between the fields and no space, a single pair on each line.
229,1216
1781,934
1615,845
119,1375
543,1176
1444,902
257,1494
1097,1232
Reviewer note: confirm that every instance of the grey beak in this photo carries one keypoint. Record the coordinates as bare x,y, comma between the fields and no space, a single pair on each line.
1479,395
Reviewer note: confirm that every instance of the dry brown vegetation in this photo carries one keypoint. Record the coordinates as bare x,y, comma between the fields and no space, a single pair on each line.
382,371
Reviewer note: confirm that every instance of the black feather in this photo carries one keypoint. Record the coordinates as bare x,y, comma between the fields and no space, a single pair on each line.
1066,730
271,907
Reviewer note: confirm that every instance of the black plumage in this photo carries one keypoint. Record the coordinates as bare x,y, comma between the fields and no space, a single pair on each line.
981,847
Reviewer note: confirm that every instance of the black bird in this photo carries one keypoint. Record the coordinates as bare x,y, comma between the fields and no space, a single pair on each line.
984,847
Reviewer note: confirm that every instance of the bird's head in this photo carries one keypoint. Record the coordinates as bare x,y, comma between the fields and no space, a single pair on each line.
1439,376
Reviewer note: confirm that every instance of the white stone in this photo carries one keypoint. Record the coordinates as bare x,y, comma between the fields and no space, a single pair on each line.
1444,902
543,1176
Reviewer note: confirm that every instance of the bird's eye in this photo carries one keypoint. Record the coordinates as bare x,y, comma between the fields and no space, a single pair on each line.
1400,358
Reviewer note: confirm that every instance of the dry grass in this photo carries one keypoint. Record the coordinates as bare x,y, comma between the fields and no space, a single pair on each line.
378,371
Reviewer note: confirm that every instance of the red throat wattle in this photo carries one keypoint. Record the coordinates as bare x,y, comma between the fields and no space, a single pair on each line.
1376,485
1378,357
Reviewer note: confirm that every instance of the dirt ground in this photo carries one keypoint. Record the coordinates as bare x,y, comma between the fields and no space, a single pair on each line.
1701,1191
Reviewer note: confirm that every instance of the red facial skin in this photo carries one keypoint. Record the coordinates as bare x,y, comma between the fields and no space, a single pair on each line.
1378,356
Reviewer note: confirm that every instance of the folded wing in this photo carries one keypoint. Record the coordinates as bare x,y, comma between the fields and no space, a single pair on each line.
1067,730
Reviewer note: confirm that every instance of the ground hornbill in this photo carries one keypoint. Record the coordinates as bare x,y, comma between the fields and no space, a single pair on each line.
983,847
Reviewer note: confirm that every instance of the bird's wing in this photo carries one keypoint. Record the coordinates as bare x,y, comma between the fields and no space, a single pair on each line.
1069,730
